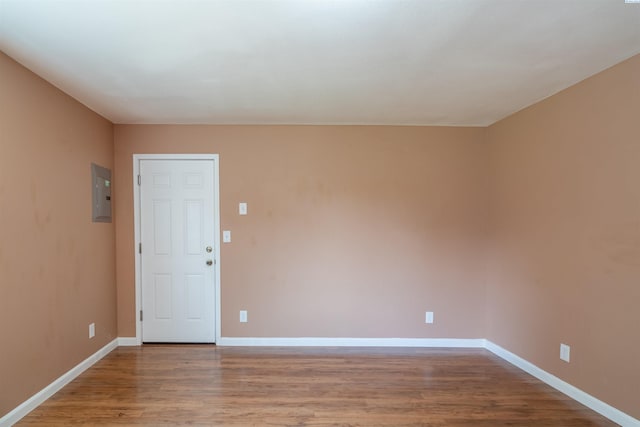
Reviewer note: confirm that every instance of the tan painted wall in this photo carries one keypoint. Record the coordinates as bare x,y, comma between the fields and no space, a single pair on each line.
351,232
56,267
566,235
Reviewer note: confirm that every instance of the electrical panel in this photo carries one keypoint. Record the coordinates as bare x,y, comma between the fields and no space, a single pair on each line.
101,193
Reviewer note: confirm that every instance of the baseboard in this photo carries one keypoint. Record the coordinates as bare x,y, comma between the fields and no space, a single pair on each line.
34,401
586,399
351,342
128,342
575,393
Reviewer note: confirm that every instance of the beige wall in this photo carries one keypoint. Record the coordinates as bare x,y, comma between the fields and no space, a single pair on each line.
56,267
352,231
566,235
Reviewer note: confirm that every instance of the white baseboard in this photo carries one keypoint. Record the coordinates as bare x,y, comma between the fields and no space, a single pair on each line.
34,401
589,401
128,342
575,393
351,342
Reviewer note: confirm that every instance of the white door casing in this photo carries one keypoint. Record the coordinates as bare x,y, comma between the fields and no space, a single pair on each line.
177,219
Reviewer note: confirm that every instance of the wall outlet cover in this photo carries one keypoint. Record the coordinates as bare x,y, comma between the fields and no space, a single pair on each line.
565,352
428,317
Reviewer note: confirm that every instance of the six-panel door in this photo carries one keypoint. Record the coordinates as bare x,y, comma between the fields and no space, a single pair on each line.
177,261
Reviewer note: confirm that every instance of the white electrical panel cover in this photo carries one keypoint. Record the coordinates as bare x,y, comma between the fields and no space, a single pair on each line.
101,193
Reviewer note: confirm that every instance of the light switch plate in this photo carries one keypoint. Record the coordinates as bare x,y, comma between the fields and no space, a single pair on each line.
226,236
92,330
242,208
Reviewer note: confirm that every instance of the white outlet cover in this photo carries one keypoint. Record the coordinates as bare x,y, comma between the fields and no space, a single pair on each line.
243,316
428,318
92,330
565,352
242,208
226,236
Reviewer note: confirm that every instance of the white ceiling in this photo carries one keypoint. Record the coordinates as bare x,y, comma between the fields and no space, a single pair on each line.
408,62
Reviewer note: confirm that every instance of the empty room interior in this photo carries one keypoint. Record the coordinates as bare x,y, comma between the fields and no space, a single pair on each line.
358,212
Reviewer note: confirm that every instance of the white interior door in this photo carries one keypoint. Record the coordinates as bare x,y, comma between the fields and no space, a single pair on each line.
177,244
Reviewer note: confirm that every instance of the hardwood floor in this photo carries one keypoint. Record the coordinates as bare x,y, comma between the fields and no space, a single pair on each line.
158,385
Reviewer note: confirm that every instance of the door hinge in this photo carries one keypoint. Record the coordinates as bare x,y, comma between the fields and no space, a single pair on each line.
141,315
139,248
139,180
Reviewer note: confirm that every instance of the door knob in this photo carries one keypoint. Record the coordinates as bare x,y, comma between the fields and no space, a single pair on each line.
209,249
209,262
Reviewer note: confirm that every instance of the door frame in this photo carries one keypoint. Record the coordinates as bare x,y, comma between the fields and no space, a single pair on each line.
216,227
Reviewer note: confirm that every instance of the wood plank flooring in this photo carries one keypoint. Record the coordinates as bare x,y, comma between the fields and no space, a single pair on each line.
158,385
